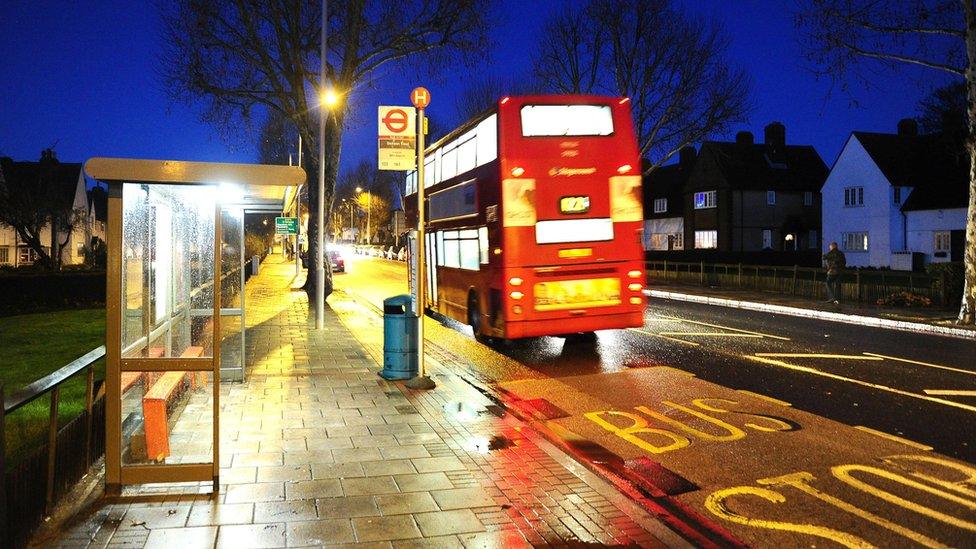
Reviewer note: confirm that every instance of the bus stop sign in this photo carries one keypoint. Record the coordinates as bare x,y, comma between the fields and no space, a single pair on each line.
397,138
286,225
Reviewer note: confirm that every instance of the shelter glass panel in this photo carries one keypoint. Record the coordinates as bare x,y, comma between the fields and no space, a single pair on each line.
168,270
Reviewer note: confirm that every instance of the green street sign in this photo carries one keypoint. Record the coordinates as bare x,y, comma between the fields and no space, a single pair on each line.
286,225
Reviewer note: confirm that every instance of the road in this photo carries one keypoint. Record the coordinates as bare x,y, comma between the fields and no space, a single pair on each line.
780,429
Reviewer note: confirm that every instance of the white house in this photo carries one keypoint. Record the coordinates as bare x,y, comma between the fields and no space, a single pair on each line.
70,189
889,195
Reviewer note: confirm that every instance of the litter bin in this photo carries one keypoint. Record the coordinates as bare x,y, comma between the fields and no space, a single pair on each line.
399,338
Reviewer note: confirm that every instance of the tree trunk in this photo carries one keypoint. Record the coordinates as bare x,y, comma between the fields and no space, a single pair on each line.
333,138
967,309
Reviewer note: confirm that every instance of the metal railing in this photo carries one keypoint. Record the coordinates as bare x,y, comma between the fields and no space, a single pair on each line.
22,504
858,285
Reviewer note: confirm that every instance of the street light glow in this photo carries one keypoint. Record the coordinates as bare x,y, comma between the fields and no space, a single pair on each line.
330,98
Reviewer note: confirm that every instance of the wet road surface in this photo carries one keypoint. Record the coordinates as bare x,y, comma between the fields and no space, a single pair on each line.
783,429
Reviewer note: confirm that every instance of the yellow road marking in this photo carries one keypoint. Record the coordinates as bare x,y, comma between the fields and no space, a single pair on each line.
930,365
720,327
707,334
946,392
885,388
904,441
776,401
817,355
638,330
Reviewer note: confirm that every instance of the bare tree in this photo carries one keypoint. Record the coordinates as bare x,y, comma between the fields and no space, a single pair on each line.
32,199
278,139
480,94
238,56
670,64
840,36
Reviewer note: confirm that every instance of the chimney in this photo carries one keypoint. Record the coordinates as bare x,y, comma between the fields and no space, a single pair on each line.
744,138
686,156
775,135
908,127
775,139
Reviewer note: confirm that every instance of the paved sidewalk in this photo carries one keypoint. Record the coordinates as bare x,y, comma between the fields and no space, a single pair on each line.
316,449
922,320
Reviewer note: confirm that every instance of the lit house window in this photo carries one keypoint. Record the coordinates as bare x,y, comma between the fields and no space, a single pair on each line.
706,239
4,255
853,197
705,200
942,242
855,242
660,205
771,198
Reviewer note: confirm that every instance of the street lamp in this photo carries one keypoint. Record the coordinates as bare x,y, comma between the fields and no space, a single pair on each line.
328,100
369,199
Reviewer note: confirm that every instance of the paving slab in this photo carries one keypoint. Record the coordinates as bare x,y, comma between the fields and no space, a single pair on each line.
317,449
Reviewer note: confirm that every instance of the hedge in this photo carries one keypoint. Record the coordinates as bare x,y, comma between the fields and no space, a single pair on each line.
40,291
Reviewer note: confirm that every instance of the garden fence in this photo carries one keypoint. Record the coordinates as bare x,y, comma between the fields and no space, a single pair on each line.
857,285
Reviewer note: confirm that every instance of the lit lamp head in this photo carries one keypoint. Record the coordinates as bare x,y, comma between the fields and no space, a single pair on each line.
329,98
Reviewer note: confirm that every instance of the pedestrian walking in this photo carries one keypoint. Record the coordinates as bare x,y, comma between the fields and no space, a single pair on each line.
835,262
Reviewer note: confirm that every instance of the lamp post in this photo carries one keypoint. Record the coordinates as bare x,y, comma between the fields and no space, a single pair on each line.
328,100
369,199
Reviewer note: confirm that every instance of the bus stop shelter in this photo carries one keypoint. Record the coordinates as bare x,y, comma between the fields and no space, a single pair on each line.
175,311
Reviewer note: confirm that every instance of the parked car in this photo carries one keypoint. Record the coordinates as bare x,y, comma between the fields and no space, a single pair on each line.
338,263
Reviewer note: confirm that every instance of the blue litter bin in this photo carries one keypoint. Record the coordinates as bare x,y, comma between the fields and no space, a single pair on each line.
399,338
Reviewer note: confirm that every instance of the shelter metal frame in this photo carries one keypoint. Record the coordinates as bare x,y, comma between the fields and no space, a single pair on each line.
261,189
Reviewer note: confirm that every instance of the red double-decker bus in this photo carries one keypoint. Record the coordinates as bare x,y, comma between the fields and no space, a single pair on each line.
534,217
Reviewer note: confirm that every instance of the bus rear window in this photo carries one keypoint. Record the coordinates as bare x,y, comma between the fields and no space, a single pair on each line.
564,120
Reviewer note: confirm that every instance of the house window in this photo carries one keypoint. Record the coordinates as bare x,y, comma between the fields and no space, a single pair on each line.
812,243
704,200
767,239
942,242
4,255
771,198
897,196
660,205
853,197
808,198
706,239
855,242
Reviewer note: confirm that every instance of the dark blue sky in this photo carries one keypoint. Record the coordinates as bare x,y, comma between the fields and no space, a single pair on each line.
82,76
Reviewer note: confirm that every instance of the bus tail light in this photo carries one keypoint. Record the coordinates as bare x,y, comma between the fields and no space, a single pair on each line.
518,171
516,295
634,274
517,309
634,287
635,301
515,281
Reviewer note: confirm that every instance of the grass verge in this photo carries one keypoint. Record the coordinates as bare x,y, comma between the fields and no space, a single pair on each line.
34,345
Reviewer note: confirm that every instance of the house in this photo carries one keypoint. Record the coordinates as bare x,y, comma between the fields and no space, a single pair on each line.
744,196
66,189
663,189
897,200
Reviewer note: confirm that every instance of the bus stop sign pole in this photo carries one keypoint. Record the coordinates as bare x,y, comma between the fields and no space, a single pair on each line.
420,98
